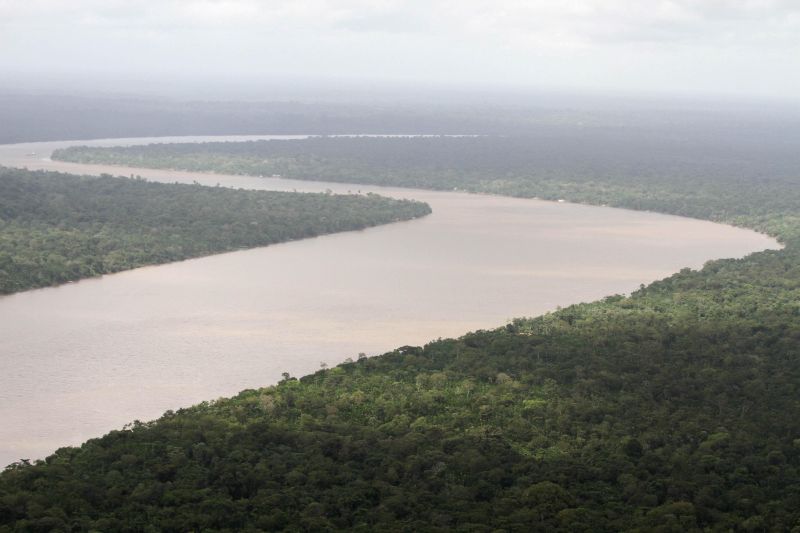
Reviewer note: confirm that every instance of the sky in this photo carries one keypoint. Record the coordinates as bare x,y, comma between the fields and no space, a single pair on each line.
704,47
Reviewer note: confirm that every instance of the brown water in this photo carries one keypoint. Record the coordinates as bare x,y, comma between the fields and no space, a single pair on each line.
81,359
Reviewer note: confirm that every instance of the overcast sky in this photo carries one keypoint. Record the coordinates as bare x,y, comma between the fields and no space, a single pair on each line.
735,47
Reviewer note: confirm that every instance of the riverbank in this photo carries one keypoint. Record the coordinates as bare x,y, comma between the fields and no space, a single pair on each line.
61,228
211,327
674,408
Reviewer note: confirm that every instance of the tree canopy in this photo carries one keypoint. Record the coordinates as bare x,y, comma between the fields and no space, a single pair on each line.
57,227
674,409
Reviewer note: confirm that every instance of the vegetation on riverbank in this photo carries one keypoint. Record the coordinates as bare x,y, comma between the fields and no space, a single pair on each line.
675,409
56,227
732,180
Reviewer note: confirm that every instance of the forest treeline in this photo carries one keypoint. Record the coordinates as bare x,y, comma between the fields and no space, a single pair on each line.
739,181
676,409
57,227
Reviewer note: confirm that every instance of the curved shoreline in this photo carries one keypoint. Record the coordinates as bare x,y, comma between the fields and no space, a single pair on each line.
16,155
216,316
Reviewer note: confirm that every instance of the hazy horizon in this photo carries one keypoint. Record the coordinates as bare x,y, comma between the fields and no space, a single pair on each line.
473,50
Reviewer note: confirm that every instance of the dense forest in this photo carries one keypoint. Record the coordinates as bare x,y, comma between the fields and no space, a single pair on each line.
56,227
674,409
730,179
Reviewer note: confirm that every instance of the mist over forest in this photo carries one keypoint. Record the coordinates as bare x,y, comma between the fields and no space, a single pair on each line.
48,114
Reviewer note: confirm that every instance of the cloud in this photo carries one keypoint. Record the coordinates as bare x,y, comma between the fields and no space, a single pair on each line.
642,43
575,22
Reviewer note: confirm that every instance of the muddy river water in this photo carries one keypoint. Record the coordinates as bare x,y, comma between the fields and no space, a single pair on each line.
79,360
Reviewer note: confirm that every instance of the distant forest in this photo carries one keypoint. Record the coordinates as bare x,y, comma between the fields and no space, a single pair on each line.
676,409
56,227
741,182
58,116
63,117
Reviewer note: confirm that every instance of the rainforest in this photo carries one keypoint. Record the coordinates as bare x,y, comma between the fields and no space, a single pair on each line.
675,408
400,266
57,228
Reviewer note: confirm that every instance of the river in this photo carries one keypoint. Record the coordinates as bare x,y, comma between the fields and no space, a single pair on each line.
81,359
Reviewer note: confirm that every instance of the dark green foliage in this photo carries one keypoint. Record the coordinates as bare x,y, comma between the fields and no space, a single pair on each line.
674,409
56,227
734,180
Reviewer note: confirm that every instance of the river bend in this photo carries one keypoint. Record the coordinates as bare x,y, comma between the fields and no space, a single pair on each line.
81,359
